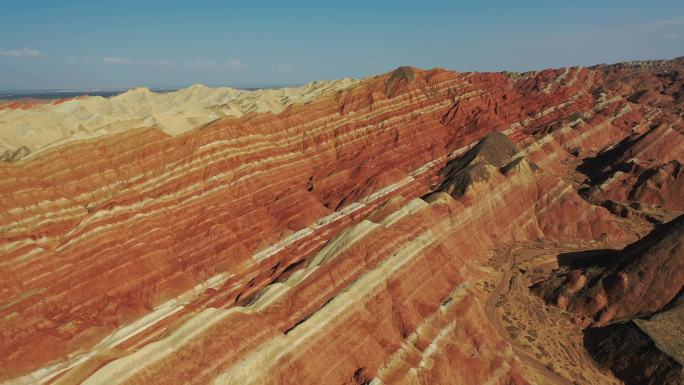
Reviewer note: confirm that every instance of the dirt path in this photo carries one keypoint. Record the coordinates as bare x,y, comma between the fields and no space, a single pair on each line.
490,310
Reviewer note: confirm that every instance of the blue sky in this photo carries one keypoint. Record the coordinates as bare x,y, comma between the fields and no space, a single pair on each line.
75,44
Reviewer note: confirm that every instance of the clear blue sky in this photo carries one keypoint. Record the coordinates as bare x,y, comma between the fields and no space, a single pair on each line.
63,44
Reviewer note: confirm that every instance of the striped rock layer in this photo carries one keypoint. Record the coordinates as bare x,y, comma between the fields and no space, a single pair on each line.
311,246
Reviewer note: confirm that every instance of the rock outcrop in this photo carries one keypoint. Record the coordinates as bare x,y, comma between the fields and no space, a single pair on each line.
632,283
13,156
634,298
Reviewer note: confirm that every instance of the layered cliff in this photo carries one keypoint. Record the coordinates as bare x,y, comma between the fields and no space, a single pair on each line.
333,241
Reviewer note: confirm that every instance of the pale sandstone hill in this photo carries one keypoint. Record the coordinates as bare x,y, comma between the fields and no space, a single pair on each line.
37,125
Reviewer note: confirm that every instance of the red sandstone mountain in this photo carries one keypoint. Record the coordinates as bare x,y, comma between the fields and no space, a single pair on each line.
295,247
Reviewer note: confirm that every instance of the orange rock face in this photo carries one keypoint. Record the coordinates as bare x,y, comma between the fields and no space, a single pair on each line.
296,248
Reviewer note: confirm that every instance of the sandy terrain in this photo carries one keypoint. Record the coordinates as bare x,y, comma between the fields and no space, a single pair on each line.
545,338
